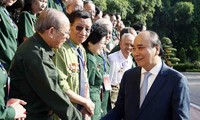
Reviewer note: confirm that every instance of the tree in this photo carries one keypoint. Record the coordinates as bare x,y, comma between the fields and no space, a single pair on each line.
175,20
101,3
121,7
143,10
196,22
182,56
169,52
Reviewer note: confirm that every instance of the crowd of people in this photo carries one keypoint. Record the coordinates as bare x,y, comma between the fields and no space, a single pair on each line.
69,60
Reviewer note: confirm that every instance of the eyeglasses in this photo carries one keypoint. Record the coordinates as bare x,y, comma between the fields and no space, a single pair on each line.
80,28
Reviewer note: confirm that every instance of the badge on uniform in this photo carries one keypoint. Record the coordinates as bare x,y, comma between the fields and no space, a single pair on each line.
74,67
99,67
121,70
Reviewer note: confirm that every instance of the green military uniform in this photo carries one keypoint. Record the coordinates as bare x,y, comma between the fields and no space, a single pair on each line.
8,35
34,79
6,113
95,78
27,25
56,4
105,104
66,60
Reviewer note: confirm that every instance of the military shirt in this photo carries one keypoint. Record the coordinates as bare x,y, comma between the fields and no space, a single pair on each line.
66,60
95,78
34,79
6,113
27,25
105,104
56,4
95,75
8,35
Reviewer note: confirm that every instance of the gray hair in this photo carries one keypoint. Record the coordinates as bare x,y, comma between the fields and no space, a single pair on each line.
104,22
49,18
128,35
154,38
156,41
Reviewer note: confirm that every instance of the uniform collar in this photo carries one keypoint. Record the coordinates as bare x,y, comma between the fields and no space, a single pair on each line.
40,40
73,43
122,56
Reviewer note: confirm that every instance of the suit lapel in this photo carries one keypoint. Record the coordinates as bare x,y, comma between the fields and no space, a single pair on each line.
156,86
137,95
134,89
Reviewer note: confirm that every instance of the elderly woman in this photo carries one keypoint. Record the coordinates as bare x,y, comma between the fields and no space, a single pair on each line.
93,45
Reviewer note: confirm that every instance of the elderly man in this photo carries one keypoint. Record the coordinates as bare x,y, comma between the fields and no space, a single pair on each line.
151,91
73,5
120,61
34,78
89,6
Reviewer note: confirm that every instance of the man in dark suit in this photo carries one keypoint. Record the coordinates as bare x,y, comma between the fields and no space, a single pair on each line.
167,96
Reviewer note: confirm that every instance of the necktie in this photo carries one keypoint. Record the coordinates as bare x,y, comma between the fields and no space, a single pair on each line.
143,89
81,75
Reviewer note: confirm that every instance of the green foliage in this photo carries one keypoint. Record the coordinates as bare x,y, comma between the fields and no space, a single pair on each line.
118,6
101,3
186,67
166,41
196,20
195,54
183,12
179,20
170,52
142,10
175,19
182,55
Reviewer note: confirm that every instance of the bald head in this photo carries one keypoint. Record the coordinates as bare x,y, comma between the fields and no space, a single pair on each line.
53,26
50,18
73,5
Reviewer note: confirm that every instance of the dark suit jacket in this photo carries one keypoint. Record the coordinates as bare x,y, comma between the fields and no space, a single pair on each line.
167,99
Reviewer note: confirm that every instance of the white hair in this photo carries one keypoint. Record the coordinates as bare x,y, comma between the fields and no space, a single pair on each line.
104,22
128,35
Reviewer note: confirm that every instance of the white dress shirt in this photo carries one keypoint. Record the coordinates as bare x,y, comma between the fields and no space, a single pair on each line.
118,65
154,72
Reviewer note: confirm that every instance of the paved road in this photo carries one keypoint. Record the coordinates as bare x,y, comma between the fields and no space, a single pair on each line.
194,85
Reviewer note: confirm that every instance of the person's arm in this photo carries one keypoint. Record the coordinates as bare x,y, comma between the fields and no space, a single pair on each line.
112,69
87,103
7,113
59,62
117,113
181,100
43,78
16,104
13,110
